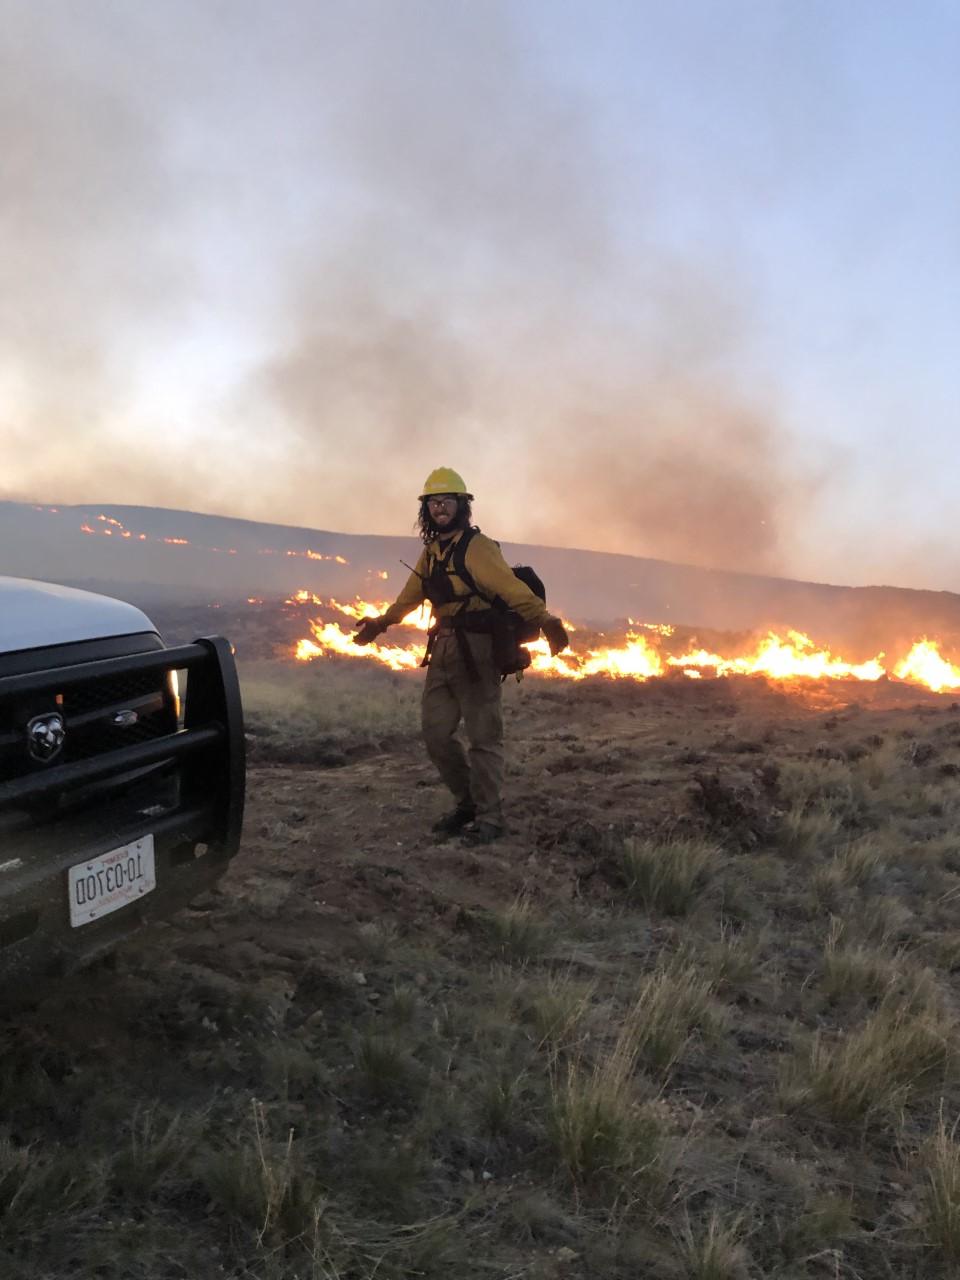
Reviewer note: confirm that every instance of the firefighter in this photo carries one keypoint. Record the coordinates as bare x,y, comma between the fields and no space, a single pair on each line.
465,652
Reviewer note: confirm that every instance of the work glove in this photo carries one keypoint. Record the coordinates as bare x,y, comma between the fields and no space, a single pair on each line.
556,635
369,629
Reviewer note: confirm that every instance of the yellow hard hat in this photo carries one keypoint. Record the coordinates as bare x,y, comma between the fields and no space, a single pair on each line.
444,480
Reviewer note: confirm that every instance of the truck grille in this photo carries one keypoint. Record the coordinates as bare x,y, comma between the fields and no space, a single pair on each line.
110,690
91,740
90,712
99,715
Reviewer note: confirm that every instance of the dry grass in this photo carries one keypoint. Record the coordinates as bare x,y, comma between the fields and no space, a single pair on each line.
262,1184
322,713
672,1005
861,861
34,1181
857,969
882,920
501,1100
714,1250
158,1150
881,767
558,1086
879,1068
732,959
386,1071
827,786
825,1223
517,932
940,1159
806,831
601,1130
556,1007
667,877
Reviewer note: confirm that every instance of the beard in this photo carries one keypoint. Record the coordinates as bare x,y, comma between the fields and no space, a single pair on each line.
429,529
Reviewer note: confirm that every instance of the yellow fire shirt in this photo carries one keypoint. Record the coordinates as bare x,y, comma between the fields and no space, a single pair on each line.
493,576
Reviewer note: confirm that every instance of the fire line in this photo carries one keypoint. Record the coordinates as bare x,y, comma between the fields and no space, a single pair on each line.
778,657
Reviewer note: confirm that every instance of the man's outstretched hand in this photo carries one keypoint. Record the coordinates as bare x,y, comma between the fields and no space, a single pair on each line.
556,634
369,629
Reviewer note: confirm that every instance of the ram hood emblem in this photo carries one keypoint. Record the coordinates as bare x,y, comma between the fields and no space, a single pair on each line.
45,736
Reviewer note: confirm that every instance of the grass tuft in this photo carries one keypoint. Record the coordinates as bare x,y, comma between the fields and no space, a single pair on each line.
805,831
670,1006
860,862
941,1158
825,786
714,1250
853,970
667,877
261,1183
500,1096
827,1220
599,1128
556,1007
517,932
899,1052
402,1004
158,1149
387,1073
33,1181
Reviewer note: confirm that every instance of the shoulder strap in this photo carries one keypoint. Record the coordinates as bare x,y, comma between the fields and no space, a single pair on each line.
460,559
462,572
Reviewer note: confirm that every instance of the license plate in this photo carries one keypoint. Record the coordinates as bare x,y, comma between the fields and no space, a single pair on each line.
111,881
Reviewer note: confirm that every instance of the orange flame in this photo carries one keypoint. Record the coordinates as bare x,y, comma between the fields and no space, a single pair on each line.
924,665
660,628
793,657
328,638
306,555
359,609
635,660
116,527
780,659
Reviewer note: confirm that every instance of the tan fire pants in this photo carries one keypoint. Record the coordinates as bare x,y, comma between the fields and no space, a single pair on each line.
449,696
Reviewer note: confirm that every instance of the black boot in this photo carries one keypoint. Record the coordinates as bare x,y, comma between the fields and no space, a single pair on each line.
483,833
452,824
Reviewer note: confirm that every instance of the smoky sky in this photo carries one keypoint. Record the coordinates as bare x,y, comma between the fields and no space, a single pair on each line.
281,261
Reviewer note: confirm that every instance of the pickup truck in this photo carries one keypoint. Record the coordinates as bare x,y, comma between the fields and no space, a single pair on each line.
121,775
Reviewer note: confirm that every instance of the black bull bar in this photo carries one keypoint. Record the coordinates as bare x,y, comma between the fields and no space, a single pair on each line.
211,738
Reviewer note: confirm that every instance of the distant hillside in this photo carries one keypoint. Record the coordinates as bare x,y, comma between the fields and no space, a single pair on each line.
147,553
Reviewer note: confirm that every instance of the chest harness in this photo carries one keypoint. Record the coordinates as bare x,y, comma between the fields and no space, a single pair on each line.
499,621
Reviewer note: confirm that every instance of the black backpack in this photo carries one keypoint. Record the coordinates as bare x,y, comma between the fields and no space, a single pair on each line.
525,632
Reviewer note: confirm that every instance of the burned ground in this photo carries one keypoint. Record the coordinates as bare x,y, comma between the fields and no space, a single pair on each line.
694,1017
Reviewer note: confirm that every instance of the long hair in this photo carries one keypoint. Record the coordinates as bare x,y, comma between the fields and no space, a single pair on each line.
429,531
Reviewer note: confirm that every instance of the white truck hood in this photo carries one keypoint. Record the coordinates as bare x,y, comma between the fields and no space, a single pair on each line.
36,614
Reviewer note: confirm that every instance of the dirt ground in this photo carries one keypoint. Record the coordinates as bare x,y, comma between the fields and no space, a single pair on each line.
341,1062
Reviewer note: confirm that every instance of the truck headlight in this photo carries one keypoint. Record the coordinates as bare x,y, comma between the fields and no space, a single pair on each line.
173,688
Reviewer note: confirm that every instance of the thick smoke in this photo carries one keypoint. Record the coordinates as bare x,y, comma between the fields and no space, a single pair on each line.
406,230
82,198
482,314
